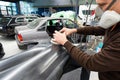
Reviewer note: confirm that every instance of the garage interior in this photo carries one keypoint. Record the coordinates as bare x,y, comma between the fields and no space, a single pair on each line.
44,8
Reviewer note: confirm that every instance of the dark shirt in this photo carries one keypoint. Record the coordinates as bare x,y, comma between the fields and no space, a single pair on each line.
107,61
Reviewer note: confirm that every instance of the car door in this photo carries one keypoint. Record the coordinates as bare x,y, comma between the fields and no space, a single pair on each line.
42,34
35,32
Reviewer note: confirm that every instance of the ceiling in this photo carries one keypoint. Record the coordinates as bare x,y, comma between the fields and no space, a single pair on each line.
10,0
59,3
54,3
17,0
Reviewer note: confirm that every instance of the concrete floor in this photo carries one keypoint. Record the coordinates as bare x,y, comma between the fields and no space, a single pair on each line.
11,48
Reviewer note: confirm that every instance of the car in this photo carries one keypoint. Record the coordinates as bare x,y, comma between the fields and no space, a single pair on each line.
40,30
8,23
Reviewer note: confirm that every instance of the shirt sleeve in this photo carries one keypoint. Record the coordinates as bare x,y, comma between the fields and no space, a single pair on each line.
89,30
106,60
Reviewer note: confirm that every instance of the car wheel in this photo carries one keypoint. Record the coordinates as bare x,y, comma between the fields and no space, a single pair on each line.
22,46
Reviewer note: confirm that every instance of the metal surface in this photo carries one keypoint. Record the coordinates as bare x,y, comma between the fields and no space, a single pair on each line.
19,58
47,65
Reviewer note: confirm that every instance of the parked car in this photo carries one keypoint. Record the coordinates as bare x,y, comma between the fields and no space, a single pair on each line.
40,30
8,23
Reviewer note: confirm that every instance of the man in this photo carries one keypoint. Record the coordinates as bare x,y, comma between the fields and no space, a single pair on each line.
107,61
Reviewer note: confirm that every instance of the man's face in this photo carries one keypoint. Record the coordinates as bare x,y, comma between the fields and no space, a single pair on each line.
103,4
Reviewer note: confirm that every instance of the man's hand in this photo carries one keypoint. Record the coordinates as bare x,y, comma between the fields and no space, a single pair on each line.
60,38
68,31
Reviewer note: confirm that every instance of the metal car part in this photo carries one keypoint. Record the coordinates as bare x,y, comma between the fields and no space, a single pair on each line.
19,58
47,65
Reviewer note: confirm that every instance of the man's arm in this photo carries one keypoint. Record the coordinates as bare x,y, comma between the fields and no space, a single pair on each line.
106,60
97,31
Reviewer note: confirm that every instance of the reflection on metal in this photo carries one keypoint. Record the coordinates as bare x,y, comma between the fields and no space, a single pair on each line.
42,65
19,58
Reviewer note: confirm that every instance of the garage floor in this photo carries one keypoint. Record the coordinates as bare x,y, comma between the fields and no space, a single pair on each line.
11,48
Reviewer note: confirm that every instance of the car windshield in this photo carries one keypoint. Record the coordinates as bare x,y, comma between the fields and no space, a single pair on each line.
34,23
5,19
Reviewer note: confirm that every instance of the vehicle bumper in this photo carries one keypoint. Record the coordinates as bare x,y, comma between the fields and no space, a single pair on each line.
23,43
18,42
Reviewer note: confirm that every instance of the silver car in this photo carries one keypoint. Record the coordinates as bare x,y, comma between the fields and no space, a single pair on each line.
40,30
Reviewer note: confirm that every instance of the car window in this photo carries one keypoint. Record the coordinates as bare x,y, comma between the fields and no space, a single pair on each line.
52,25
20,19
69,23
42,28
12,21
30,19
34,17
34,23
53,22
5,19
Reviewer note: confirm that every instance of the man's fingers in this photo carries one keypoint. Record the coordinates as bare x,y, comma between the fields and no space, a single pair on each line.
56,32
64,33
62,30
54,40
